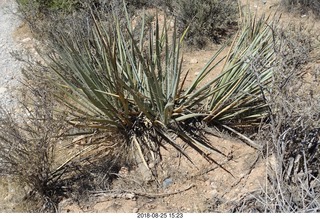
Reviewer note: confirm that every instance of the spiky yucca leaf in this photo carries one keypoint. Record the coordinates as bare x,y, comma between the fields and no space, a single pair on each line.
237,94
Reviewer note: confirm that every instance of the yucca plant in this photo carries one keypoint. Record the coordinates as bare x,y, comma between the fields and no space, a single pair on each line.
118,82
237,95
114,82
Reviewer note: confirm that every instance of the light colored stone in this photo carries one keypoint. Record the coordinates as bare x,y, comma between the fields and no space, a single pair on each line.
2,90
129,196
167,182
193,61
214,192
151,165
26,40
172,24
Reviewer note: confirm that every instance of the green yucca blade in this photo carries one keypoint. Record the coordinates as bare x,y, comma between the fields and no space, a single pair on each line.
86,85
237,92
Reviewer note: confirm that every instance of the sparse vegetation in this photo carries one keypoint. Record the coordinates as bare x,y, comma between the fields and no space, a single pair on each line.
113,93
207,20
116,84
44,154
294,128
292,135
28,146
303,6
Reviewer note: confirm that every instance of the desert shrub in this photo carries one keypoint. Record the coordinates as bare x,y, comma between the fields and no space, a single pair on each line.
303,5
131,90
120,84
247,71
292,134
115,82
45,8
45,17
127,96
27,146
293,105
281,197
207,20
41,152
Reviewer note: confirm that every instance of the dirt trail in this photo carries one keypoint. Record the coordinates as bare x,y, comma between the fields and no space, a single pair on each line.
10,72
9,67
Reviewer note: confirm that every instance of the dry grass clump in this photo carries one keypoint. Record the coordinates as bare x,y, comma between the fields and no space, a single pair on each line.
45,158
27,147
293,133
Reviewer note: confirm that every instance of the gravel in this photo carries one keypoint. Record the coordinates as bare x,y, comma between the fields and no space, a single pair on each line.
10,69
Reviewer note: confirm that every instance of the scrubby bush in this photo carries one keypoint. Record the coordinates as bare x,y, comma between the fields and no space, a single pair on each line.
27,151
303,5
41,152
292,135
295,127
207,20
47,6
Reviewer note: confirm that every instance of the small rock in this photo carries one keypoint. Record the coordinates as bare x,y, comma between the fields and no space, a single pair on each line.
196,73
214,192
213,185
172,24
167,182
135,210
124,171
151,165
193,61
129,196
2,90
26,40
